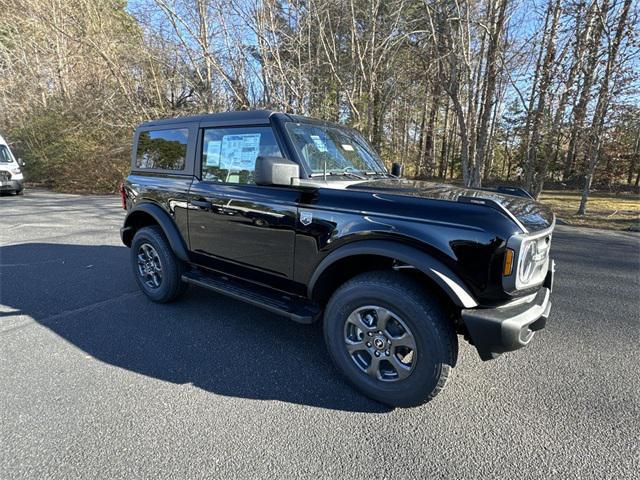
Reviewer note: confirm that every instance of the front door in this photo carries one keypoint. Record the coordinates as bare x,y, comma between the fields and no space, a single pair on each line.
234,224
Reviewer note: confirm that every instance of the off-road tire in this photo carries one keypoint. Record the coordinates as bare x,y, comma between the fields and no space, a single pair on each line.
171,286
434,334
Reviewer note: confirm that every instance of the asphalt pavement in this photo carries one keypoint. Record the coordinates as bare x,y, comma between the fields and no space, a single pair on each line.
98,382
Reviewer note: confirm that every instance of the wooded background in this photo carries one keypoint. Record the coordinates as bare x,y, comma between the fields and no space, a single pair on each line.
537,93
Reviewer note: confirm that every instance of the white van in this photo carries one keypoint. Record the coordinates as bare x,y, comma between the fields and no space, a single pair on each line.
11,178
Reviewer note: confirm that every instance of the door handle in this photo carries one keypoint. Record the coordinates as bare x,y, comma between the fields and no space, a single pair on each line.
201,204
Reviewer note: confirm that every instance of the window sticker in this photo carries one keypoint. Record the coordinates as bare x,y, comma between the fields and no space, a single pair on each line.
213,153
347,147
319,143
239,152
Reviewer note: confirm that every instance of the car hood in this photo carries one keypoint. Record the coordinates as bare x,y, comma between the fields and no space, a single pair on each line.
531,214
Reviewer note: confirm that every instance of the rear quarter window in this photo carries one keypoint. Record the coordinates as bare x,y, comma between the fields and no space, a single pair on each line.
162,149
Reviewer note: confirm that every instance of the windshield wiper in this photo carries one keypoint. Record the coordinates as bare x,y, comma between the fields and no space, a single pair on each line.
372,173
339,173
345,174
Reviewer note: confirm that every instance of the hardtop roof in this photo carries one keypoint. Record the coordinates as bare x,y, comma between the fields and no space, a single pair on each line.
242,116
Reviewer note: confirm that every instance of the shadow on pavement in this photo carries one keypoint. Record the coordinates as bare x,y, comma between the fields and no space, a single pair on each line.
87,296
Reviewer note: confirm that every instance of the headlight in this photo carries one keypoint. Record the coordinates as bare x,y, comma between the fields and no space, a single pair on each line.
529,267
534,259
527,264
16,170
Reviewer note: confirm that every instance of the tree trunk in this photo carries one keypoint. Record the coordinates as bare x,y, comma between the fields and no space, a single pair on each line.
442,168
429,141
452,148
553,12
491,69
464,142
420,159
494,121
634,160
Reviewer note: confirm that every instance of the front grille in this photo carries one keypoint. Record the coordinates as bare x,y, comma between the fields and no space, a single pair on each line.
5,176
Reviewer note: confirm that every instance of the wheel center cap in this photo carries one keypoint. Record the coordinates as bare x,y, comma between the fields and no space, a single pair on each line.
379,343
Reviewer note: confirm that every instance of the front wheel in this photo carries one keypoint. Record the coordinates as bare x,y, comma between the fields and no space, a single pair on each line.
157,270
390,339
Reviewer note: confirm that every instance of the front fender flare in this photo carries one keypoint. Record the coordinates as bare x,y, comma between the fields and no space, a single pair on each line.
442,275
166,223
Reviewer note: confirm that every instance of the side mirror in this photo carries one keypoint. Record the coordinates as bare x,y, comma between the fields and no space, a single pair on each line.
396,169
276,171
21,162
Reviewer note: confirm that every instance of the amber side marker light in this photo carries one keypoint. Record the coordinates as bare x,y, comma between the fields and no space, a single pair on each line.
508,263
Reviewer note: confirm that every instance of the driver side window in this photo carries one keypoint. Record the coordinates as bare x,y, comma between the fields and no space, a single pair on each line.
229,154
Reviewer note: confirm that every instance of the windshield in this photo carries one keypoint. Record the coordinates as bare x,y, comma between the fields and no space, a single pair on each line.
334,149
5,154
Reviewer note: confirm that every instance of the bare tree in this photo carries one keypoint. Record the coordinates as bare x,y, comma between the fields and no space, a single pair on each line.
604,95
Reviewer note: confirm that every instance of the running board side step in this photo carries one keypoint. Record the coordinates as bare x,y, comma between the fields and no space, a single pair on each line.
296,308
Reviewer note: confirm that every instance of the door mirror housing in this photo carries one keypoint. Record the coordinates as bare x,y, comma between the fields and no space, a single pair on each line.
276,171
21,162
396,169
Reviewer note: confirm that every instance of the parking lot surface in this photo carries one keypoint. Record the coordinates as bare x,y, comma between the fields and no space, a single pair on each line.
98,382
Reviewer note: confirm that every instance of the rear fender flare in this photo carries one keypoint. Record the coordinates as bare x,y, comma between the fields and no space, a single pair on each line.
167,225
442,275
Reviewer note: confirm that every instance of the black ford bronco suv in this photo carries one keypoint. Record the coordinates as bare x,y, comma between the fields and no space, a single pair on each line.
300,217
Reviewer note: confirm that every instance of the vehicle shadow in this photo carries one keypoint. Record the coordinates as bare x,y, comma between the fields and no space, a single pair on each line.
87,296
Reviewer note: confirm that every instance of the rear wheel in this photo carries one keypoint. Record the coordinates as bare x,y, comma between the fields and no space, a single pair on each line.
390,339
157,270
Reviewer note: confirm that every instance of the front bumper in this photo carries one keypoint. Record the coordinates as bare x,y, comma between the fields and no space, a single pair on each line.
11,185
494,331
